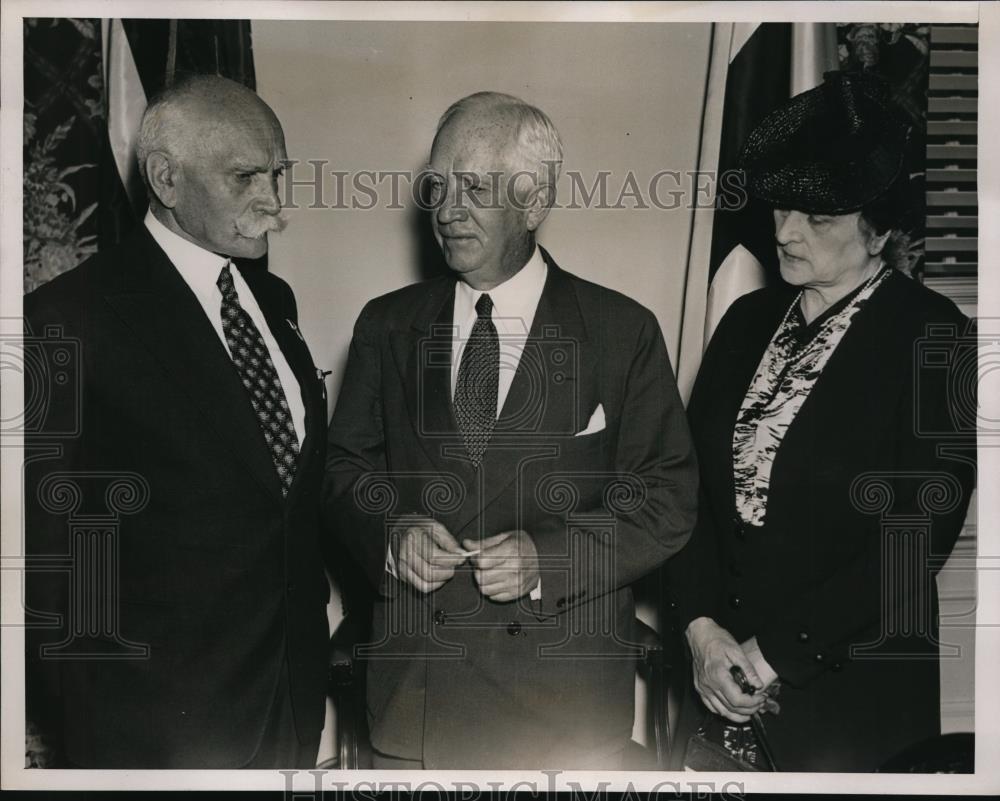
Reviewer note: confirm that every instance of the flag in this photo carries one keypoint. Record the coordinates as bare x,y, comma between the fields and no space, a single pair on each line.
753,68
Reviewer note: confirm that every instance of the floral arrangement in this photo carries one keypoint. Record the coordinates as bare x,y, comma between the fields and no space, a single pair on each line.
63,101
52,239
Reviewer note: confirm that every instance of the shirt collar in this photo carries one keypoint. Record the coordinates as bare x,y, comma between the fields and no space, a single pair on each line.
516,298
198,267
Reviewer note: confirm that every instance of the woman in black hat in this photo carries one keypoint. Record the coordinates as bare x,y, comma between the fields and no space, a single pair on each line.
816,434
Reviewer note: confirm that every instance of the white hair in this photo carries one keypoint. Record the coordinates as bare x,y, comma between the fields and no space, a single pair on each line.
159,131
537,145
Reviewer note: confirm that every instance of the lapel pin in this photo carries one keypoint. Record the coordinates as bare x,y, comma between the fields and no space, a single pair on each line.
295,328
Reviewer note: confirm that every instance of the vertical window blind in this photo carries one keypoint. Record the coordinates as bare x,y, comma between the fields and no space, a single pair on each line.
951,268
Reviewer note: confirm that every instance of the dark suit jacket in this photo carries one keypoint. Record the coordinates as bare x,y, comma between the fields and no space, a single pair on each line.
216,573
832,568
458,680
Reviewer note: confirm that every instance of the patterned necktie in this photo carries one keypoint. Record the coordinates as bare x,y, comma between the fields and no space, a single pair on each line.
260,379
479,382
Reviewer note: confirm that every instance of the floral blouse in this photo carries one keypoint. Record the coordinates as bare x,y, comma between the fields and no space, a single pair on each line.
788,370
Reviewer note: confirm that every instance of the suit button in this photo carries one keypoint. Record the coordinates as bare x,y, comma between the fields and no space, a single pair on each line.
803,636
735,601
819,658
514,628
836,667
735,570
440,616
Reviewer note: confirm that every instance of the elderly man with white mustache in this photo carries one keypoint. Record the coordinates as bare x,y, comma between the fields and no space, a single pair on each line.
192,388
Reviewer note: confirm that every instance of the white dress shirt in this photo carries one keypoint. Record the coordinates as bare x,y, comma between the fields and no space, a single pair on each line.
514,304
200,270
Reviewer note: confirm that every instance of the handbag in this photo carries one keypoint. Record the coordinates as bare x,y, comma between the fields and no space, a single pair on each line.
721,745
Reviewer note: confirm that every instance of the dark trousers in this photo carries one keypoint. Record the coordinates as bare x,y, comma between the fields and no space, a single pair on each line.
280,747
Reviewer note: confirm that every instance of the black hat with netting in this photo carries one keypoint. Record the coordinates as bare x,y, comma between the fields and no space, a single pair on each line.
829,150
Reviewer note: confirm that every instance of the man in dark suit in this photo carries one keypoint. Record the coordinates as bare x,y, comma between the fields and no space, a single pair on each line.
188,462
508,453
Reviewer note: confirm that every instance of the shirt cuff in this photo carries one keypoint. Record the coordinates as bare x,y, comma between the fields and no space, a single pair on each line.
752,651
536,594
390,564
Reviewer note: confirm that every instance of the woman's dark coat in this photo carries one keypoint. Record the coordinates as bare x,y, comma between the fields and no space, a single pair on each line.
869,492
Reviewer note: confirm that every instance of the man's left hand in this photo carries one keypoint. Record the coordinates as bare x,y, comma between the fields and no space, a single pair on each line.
506,567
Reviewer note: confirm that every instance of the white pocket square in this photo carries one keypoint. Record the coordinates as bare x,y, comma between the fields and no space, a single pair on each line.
595,424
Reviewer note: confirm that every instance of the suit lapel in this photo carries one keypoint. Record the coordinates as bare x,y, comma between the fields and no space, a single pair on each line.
165,316
423,357
542,396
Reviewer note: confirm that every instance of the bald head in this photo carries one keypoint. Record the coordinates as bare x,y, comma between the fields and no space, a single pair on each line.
210,152
198,112
522,134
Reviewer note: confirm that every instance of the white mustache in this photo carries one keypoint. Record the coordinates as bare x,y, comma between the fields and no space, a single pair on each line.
253,225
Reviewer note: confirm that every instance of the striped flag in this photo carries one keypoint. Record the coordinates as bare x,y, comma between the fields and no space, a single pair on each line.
126,103
140,58
754,67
